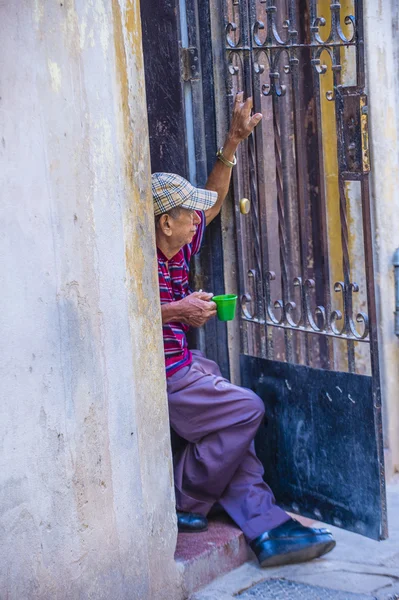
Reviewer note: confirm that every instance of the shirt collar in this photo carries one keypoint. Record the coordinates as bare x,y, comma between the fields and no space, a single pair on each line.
162,257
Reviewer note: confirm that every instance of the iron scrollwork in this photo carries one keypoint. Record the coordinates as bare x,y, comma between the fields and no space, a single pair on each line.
311,320
336,36
249,300
275,43
273,47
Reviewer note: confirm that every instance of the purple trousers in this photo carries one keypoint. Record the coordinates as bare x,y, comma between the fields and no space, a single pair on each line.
219,420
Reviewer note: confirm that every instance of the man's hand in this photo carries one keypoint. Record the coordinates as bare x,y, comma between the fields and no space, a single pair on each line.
242,124
197,309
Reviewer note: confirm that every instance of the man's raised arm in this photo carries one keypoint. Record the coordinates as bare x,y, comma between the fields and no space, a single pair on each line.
242,125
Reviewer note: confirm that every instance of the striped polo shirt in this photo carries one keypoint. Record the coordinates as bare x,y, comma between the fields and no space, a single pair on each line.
173,285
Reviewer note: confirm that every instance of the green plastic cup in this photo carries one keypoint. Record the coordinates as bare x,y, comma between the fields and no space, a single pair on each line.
226,306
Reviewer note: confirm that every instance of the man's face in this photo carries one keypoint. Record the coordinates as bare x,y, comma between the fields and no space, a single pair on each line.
181,226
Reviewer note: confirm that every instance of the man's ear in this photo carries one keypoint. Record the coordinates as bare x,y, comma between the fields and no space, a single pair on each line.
164,224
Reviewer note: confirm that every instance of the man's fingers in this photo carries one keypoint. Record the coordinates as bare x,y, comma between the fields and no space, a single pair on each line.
205,295
255,120
210,307
248,104
204,304
239,100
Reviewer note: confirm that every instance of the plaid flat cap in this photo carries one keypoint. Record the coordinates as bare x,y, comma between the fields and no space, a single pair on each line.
170,191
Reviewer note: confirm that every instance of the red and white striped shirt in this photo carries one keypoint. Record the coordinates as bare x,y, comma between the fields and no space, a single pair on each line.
173,285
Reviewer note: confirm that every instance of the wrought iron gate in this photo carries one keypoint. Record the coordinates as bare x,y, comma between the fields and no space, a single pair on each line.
304,254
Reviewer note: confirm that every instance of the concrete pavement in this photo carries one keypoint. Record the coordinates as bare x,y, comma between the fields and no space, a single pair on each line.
357,565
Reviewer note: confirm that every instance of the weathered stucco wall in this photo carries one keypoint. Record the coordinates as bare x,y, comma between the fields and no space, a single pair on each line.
86,491
383,90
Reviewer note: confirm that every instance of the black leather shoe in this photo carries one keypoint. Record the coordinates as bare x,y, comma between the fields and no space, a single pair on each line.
191,522
291,542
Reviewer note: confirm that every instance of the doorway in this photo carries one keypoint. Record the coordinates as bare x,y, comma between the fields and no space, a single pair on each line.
296,235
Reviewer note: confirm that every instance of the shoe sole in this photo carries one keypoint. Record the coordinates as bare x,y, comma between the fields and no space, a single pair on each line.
299,556
192,530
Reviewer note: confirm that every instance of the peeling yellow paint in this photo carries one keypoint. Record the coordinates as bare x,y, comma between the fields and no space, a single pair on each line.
354,215
136,261
330,158
55,74
133,26
141,266
331,177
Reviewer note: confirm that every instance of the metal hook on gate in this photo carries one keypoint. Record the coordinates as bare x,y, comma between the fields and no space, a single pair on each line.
396,266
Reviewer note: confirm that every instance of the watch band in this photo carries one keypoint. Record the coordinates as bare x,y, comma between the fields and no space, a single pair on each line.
224,160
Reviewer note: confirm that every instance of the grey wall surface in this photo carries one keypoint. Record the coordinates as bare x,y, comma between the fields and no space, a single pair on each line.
86,488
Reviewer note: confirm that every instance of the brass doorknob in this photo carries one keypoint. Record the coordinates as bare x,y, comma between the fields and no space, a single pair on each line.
245,206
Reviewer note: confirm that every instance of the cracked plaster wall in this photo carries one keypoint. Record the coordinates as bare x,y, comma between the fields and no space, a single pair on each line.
86,489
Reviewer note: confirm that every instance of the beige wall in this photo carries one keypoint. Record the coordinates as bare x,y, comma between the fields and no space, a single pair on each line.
86,491
383,90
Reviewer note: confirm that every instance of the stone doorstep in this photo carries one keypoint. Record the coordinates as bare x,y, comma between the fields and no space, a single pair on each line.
203,557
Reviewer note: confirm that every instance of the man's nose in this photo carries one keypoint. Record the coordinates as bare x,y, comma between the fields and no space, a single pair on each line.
197,218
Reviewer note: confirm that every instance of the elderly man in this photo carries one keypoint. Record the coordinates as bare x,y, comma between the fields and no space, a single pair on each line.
217,419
